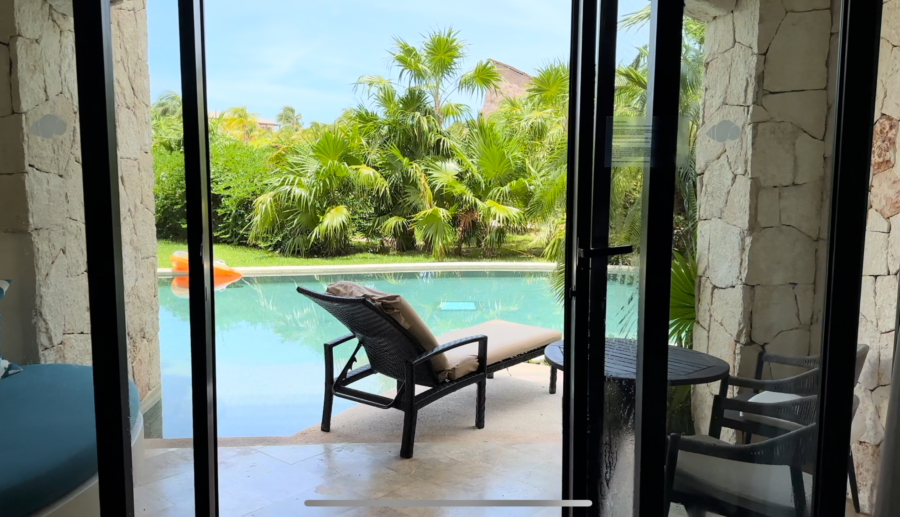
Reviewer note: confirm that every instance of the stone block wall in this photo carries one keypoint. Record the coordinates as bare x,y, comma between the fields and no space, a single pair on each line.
761,161
764,200
42,247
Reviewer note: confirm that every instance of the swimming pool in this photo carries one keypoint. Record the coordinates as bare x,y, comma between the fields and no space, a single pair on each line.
269,357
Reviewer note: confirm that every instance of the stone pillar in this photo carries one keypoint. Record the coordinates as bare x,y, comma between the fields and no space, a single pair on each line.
764,167
761,181
42,216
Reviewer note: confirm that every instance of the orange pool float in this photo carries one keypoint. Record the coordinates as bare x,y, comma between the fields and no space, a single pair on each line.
220,269
223,274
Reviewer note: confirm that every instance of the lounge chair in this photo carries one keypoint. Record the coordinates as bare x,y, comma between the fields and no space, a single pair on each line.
781,390
399,345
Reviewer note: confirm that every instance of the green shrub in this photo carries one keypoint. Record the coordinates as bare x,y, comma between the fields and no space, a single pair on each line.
239,171
171,217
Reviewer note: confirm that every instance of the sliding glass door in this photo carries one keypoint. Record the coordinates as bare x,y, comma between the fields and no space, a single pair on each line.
748,213
710,237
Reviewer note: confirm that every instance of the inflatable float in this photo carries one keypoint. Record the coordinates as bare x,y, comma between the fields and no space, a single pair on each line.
223,274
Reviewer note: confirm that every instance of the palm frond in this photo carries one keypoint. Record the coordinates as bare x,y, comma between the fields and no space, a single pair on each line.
682,311
433,227
482,78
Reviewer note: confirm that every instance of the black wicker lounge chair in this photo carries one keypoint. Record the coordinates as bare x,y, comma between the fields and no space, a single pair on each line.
394,352
804,384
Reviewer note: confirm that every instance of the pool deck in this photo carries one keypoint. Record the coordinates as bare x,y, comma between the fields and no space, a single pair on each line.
416,267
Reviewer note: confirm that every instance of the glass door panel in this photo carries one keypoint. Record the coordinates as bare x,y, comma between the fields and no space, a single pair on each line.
748,282
624,177
344,161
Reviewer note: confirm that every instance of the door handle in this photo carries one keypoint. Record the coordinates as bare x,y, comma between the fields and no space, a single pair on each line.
605,252
584,256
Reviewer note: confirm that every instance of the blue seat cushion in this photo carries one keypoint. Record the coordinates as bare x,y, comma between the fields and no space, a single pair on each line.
48,441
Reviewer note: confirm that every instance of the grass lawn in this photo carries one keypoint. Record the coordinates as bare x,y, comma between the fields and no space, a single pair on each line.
517,249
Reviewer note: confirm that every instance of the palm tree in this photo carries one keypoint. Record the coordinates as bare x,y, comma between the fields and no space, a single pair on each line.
308,206
435,68
288,118
168,104
465,182
239,123
165,122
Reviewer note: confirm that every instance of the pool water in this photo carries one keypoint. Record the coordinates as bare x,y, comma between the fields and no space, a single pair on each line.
269,354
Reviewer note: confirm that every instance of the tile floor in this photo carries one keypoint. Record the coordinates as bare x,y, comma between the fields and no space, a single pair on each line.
276,480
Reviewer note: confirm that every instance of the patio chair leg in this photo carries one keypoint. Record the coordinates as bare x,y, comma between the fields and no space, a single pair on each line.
552,380
329,386
490,375
799,491
694,511
410,413
326,408
409,433
479,405
854,489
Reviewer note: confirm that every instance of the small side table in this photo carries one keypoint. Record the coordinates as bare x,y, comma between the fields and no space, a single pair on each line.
553,353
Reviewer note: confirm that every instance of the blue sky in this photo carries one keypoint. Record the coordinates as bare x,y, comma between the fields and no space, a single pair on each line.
265,54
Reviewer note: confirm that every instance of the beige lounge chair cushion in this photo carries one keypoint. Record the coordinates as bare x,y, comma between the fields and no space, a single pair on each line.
505,340
399,309
766,489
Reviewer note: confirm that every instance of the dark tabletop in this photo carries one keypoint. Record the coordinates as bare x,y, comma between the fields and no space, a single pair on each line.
685,366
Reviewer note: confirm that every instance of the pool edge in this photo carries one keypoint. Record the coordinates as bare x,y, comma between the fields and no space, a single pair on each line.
544,267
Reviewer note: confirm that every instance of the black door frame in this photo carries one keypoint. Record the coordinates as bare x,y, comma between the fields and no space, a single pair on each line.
200,249
658,209
580,164
103,247
588,252
858,60
858,49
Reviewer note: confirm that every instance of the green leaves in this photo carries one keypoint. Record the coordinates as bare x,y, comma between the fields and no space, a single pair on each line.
481,79
330,150
550,87
370,180
395,225
333,224
307,207
410,61
500,215
682,312
443,50
433,227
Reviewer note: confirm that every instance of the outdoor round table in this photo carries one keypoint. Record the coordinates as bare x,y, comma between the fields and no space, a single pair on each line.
686,367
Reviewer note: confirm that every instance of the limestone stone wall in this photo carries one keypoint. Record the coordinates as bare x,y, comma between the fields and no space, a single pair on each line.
761,166
42,248
764,165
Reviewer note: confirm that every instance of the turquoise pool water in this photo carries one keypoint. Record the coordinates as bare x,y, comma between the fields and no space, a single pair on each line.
269,358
